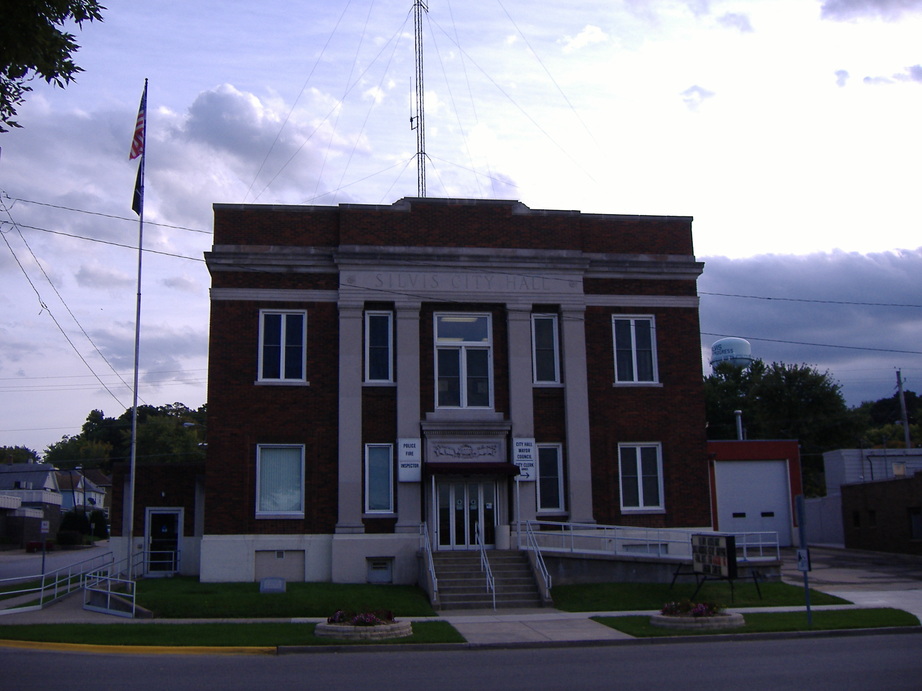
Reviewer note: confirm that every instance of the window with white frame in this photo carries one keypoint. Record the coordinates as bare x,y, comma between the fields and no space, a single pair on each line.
379,347
379,478
463,362
641,475
545,358
635,349
279,481
282,351
550,478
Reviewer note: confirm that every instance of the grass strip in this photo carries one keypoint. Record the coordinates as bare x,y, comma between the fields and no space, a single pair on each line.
626,597
187,598
210,635
773,622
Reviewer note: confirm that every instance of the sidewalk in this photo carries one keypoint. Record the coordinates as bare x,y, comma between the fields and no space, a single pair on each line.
867,579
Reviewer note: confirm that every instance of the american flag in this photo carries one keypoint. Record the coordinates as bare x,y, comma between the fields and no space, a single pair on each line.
140,127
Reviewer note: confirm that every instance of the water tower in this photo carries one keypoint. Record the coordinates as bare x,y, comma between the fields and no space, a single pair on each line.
736,351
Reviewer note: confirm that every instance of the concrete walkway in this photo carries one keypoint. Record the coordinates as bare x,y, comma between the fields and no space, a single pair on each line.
868,579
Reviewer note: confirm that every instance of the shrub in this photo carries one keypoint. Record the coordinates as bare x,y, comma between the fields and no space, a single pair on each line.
99,524
70,537
76,521
687,608
375,618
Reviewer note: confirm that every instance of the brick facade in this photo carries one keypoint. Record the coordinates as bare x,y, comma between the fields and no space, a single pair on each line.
884,516
427,257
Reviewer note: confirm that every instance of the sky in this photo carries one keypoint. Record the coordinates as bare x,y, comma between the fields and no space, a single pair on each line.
788,129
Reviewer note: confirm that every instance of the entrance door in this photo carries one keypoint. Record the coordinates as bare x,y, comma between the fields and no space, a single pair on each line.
463,504
163,529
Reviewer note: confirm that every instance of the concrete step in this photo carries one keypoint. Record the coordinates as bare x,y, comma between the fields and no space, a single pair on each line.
462,583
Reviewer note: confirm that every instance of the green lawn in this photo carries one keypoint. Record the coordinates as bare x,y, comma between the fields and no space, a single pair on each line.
772,622
187,598
208,635
626,597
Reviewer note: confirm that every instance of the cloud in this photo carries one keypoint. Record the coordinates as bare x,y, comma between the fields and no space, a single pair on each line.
733,20
841,77
909,74
867,306
96,276
588,36
695,95
845,10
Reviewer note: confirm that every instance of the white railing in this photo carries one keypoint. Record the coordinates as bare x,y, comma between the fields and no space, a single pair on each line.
426,547
757,546
163,562
532,544
485,563
672,544
112,589
43,589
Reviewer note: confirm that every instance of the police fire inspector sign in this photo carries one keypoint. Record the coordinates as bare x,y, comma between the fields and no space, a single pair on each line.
409,460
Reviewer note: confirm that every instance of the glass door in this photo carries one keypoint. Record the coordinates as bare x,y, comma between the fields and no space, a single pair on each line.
462,505
163,531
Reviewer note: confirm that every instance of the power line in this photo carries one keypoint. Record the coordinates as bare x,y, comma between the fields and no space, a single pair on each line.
811,300
97,213
110,242
817,345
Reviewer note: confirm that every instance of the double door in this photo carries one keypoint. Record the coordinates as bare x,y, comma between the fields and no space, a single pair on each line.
462,504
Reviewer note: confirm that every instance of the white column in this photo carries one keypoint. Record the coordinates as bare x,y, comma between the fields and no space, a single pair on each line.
351,458
406,342
521,401
576,401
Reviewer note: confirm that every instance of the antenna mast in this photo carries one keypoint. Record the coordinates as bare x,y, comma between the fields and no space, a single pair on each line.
420,7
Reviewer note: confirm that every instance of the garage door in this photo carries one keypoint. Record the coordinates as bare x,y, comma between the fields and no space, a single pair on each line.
754,496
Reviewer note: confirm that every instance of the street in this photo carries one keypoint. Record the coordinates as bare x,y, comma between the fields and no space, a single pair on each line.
879,662
19,564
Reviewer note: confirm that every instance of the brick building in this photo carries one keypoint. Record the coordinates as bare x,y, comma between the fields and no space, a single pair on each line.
443,363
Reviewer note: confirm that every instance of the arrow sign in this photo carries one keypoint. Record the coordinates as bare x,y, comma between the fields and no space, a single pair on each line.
523,455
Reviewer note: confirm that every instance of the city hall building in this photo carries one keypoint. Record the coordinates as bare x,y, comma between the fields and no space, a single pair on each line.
378,373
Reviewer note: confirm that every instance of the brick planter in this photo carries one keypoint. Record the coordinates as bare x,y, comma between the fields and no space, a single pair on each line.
727,620
348,632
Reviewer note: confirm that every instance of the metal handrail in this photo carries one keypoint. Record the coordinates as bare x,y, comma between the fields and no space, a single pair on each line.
532,544
115,582
54,585
485,563
171,558
672,544
426,546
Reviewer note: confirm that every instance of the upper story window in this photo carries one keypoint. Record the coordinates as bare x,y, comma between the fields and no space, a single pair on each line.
641,476
545,358
279,481
282,352
463,362
379,347
635,350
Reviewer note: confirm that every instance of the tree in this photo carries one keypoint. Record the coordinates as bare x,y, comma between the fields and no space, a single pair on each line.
166,434
33,43
17,454
780,401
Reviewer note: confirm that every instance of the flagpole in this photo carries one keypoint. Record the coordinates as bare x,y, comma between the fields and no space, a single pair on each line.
137,150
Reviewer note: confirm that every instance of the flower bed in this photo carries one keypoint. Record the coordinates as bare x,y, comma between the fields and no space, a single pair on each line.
364,626
691,615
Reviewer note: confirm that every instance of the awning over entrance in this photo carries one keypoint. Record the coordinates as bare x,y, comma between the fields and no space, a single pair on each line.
467,468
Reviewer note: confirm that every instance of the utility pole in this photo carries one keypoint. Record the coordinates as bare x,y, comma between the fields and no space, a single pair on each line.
903,413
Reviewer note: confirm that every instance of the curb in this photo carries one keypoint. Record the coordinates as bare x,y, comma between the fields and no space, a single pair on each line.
443,647
138,649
